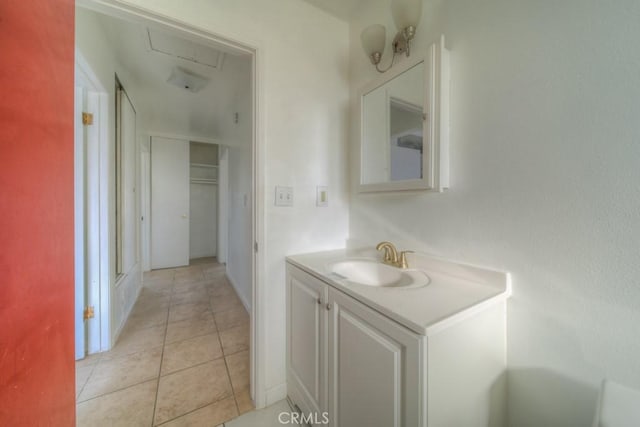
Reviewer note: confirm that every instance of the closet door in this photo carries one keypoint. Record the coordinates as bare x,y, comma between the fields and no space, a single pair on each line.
169,202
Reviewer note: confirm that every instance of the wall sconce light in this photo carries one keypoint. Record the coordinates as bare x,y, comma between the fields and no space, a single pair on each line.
406,16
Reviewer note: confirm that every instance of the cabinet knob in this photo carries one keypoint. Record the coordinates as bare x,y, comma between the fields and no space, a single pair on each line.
319,301
328,306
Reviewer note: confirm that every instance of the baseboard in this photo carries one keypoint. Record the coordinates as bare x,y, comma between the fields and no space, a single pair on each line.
276,394
125,317
247,305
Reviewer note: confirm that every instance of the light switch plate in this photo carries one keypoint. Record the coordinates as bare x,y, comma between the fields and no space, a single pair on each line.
284,196
322,196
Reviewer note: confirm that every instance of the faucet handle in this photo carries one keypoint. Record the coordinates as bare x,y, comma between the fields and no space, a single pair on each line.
402,262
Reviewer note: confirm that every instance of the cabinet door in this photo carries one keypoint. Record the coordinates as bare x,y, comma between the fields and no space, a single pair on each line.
306,340
375,369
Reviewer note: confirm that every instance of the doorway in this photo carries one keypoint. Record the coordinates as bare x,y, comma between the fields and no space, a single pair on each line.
92,309
250,199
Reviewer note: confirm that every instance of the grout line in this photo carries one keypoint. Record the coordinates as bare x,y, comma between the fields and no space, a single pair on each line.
192,366
192,411
106,357
166,328
115,391
226,365
79,392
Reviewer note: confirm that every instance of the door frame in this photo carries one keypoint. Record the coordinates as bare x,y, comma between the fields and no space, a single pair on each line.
92,228
257,351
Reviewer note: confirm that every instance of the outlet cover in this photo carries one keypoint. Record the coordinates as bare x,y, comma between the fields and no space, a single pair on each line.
284,196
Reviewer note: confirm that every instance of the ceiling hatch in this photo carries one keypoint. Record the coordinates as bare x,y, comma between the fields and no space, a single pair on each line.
185,49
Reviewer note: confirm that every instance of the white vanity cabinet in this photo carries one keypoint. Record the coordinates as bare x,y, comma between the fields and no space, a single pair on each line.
374,367
361,368
306,340
347,360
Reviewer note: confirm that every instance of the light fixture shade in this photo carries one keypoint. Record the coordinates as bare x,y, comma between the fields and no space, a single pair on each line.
373,39
187,80
406,13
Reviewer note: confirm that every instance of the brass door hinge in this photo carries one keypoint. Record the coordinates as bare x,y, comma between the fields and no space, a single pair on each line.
87,118
88,313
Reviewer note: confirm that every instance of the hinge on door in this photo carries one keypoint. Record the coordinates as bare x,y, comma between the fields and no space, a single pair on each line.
87,118
88,313
255,246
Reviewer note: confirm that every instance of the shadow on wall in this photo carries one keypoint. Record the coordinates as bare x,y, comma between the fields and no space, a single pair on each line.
539,397
497,396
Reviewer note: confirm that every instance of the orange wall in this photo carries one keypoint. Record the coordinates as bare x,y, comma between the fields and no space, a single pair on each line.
37,378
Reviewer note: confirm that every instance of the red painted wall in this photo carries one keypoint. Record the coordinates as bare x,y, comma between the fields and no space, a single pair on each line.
37,375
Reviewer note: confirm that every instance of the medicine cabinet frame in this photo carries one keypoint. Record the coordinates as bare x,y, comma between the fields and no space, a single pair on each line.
435,124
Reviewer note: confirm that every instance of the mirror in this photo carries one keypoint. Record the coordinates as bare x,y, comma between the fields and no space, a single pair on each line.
404,130
392,146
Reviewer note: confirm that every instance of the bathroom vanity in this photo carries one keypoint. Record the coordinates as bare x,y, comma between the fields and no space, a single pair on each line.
374,345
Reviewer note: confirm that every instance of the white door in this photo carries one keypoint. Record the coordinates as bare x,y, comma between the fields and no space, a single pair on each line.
169,202
306,341
374,367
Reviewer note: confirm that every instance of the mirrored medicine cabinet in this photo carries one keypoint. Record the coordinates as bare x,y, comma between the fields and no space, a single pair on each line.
404,123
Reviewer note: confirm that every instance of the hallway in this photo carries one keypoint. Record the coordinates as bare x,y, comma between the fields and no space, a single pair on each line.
182,358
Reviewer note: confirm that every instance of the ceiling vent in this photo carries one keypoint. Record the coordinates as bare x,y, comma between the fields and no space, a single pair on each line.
187,80
184,49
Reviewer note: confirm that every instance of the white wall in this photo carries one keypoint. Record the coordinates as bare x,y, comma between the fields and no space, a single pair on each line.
304,87
95,48
545,170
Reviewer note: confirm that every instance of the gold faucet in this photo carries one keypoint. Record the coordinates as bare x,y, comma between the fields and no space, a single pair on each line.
391,255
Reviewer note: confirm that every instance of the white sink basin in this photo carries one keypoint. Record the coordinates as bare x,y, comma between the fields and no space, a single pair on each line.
370,272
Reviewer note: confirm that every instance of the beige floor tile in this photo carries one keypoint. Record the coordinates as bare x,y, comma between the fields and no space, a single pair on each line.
215,275
221,288
156,286
188,276
122,372
90,359
225,302
190,389
191,352
243,398
82,375
144,304
231,318
238,365
187,311
166,273
235,339
158,276
132,406
198,294
179,288
136,340
201,324
219,412
142,319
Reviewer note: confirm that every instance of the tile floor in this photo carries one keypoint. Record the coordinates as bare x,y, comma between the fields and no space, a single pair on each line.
182,358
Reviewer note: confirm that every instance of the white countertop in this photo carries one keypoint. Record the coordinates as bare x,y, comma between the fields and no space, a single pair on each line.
455,292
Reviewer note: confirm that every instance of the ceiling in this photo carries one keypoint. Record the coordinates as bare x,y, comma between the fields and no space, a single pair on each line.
341,9
149,57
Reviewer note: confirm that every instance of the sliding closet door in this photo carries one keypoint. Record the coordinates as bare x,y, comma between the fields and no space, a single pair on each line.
169,203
